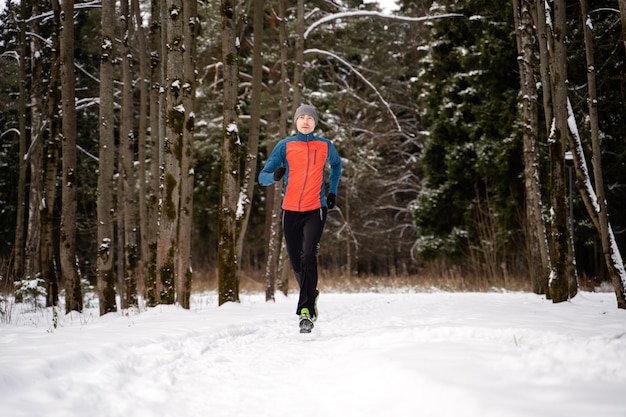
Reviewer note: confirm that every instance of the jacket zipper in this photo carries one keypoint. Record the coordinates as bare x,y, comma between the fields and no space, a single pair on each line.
306,177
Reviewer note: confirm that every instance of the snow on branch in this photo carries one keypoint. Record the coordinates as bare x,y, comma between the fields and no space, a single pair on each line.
580,153
615,253
77,6
361,76
10,54
364,13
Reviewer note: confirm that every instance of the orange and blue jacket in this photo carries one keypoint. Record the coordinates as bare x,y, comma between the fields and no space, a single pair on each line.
305,156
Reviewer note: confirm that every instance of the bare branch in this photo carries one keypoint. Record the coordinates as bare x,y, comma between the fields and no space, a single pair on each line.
364,13
361,76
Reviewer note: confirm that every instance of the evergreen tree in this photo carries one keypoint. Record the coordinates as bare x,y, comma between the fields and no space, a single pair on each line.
472,155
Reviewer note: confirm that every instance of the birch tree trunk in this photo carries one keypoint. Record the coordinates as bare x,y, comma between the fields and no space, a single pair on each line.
106,276
69,268
538,261
228,279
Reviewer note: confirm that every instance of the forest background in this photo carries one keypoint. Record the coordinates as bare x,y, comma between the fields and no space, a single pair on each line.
435,110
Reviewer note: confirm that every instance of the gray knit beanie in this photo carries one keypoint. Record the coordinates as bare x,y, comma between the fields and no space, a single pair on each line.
308,110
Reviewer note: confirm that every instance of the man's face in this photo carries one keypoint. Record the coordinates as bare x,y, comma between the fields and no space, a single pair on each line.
305,124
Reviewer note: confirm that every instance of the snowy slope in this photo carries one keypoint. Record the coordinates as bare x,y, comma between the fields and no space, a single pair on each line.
374,354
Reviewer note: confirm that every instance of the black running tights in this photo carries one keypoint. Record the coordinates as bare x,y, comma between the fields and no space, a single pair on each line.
303,231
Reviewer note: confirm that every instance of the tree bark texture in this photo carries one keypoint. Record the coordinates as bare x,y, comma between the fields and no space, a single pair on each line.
69,268
273,277
228,278
249,173
157,135
562,283
18,251
538,260
184,267
35,152
142,131
127,193
599,211
106,276
49,263
167,245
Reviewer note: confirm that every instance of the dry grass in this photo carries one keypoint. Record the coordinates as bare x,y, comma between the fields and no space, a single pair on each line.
432,280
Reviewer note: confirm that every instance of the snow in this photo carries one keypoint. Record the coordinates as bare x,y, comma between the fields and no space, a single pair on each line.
387,6
394,353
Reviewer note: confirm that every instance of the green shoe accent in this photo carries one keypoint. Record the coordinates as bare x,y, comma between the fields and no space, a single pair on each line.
305,312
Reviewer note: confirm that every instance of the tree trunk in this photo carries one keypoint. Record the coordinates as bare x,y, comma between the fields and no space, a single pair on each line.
69,268
272,270
612,255
169,215
33,237
142,249
49,263
228,286
538,260
299,58
157,135
127,200
184,271
546,45
106,276
249,173
285,271
562,284
21,185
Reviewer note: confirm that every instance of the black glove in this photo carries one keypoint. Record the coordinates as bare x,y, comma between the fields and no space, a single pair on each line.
331,200
278,174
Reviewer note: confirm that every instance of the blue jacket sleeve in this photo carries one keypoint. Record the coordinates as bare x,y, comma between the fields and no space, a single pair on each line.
276,159
335,169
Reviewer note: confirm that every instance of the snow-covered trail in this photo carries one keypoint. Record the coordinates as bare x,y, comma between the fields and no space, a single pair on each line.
414,354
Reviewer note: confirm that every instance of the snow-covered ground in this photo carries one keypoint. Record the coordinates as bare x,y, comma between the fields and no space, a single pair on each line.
400,353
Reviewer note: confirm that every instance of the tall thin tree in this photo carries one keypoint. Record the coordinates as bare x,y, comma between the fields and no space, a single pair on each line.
184,267
597,207
167,243
562,284
21,190
35,151
157,134
249,172
537,235
228,278
142,142
69,267
272,272
49,265
106,216
127,194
